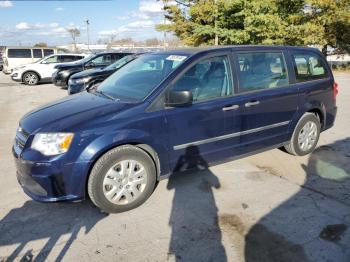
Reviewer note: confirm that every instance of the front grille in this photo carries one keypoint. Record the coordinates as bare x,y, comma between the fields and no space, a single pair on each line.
21,137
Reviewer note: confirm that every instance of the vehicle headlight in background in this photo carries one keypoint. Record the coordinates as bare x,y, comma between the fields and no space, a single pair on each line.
81,80
64,72
51,144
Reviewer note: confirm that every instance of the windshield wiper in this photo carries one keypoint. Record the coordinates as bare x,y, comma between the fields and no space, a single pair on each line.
106,95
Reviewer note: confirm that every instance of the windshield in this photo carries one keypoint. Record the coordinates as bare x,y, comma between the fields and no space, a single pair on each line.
136,80
121,62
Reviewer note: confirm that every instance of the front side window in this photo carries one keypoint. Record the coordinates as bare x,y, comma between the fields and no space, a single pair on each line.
51,59
137,79
308,67
208,79
19,53
37,53
261,70
100,60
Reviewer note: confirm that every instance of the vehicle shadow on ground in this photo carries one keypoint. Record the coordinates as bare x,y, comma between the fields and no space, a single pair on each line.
312,224
195,232
37,221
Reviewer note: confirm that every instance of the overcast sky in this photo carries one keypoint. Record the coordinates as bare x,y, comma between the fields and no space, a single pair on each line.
29,22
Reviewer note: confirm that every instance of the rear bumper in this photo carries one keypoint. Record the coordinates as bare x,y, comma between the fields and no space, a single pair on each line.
330,118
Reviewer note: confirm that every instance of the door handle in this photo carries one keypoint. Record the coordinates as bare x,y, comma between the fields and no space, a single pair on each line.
251,103
228,108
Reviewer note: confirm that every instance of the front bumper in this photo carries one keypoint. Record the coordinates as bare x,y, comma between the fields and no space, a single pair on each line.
43,181
48,179
16,76
74,88
59,82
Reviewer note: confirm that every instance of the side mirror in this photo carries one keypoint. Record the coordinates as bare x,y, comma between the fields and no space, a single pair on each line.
179,98
90,64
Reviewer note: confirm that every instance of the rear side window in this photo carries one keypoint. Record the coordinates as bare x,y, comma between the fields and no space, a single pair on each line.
67,58
308,67
261,70
19,53
48,52
37,53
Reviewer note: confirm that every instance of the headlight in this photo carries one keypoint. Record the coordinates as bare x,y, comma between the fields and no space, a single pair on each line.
18,68
50,144
64,72
81,80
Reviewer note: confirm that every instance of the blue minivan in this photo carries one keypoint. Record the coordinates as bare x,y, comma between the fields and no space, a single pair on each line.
172,111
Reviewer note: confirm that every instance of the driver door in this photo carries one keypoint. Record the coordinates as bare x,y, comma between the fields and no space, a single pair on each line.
197,132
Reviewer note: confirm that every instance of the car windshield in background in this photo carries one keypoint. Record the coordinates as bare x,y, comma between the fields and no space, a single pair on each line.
136,80
121,62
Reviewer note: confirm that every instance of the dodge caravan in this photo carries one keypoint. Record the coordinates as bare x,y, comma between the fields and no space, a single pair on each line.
170,111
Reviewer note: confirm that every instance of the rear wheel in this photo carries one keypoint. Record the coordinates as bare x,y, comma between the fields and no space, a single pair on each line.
122,179
30,78
305,135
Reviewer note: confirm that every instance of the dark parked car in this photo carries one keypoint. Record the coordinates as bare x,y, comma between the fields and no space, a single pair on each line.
85,79
1,63
171,111
100,60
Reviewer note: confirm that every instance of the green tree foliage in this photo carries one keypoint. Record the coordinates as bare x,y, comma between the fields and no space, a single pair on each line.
284,22
40,44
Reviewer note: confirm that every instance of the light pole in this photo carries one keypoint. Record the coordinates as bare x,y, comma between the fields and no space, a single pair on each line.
87,32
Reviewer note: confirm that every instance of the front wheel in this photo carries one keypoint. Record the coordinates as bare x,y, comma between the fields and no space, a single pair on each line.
31,78
305,135
122,179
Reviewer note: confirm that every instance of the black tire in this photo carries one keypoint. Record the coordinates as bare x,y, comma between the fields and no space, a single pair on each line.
293,147
107,161
30,78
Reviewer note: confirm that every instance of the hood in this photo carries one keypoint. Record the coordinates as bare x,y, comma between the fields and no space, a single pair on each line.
93,73
68,113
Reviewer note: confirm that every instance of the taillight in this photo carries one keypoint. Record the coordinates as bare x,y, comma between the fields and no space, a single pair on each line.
335,90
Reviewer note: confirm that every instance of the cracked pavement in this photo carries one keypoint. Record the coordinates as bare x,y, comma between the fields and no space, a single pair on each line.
267,207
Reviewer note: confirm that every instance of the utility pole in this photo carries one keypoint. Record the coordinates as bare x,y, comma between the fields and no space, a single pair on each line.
87,32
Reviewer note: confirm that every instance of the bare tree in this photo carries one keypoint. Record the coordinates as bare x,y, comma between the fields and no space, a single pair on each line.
74,33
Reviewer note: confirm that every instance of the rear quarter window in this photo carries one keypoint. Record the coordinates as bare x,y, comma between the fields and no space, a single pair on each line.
19,53
308,67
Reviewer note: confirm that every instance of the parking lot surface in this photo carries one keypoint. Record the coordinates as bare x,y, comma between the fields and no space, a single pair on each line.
267,207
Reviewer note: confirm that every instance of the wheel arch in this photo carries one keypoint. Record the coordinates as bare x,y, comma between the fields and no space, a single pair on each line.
320,115
31,71
149,150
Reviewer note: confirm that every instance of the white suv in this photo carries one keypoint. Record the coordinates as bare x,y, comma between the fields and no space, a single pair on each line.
42,70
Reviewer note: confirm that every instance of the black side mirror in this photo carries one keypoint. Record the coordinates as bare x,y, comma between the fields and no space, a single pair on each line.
179,98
